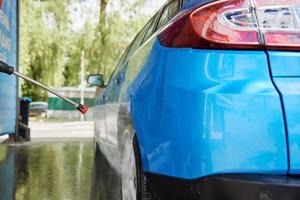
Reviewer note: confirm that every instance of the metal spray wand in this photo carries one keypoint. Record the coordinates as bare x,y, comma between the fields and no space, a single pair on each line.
5,68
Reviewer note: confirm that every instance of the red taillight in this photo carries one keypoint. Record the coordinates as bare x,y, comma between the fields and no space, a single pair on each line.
215,23
237,24
279,22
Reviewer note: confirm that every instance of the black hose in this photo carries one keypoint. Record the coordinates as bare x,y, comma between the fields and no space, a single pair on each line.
5,68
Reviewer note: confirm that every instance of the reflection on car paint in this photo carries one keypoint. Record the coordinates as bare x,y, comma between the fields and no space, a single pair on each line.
208,107
202,94
7,172
107,112
290,89
54,170
286,75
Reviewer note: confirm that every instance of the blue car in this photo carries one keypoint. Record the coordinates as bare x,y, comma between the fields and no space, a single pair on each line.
205,103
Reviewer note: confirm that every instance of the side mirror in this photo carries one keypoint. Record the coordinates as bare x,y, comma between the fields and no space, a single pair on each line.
96,80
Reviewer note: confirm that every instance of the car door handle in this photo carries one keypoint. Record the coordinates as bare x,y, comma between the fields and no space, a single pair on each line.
104,97
119,79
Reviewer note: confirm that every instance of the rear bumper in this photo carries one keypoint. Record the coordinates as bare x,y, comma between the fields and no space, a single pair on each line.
223,187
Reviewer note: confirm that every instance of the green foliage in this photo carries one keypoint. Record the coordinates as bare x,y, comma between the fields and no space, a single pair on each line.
104,44
52,54
42,47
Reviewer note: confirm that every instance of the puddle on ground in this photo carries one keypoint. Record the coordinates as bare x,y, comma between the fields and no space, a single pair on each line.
64,170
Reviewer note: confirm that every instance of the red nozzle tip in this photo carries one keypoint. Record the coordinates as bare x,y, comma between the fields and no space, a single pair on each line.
83,109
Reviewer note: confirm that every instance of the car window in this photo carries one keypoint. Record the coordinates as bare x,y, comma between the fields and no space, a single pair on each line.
151,27
137,42
135,45
169,11
120,63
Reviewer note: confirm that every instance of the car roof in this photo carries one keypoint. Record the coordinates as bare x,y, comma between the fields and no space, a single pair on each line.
191,3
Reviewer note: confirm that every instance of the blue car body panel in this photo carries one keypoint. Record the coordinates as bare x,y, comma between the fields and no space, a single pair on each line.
285,64
203,112
208,112
286,74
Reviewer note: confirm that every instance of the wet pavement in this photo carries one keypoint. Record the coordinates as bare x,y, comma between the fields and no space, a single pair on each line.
56,170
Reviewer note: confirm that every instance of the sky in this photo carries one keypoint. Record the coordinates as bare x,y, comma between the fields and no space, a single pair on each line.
88,10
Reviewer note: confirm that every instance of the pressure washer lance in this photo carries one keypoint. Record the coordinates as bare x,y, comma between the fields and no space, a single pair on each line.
5,68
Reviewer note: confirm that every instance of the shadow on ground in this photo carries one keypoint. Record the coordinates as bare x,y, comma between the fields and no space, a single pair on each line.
52,170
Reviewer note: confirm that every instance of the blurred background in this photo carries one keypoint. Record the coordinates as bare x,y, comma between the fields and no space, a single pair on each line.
62,41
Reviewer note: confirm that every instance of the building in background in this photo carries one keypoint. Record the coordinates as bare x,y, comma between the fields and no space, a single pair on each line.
58,108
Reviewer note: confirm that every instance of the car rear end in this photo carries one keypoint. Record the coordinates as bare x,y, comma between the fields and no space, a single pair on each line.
229,109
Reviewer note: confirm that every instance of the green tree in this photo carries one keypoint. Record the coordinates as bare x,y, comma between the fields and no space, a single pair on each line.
50,50
42,44
105,44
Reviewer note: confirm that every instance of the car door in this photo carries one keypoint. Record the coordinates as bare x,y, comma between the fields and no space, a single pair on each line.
116,91
111,108
104,107
110,102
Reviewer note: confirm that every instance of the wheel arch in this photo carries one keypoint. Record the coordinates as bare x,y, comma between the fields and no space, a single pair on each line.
125,119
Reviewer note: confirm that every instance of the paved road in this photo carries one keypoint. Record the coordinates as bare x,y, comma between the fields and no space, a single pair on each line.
59,163
52,130
56,170
61,130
